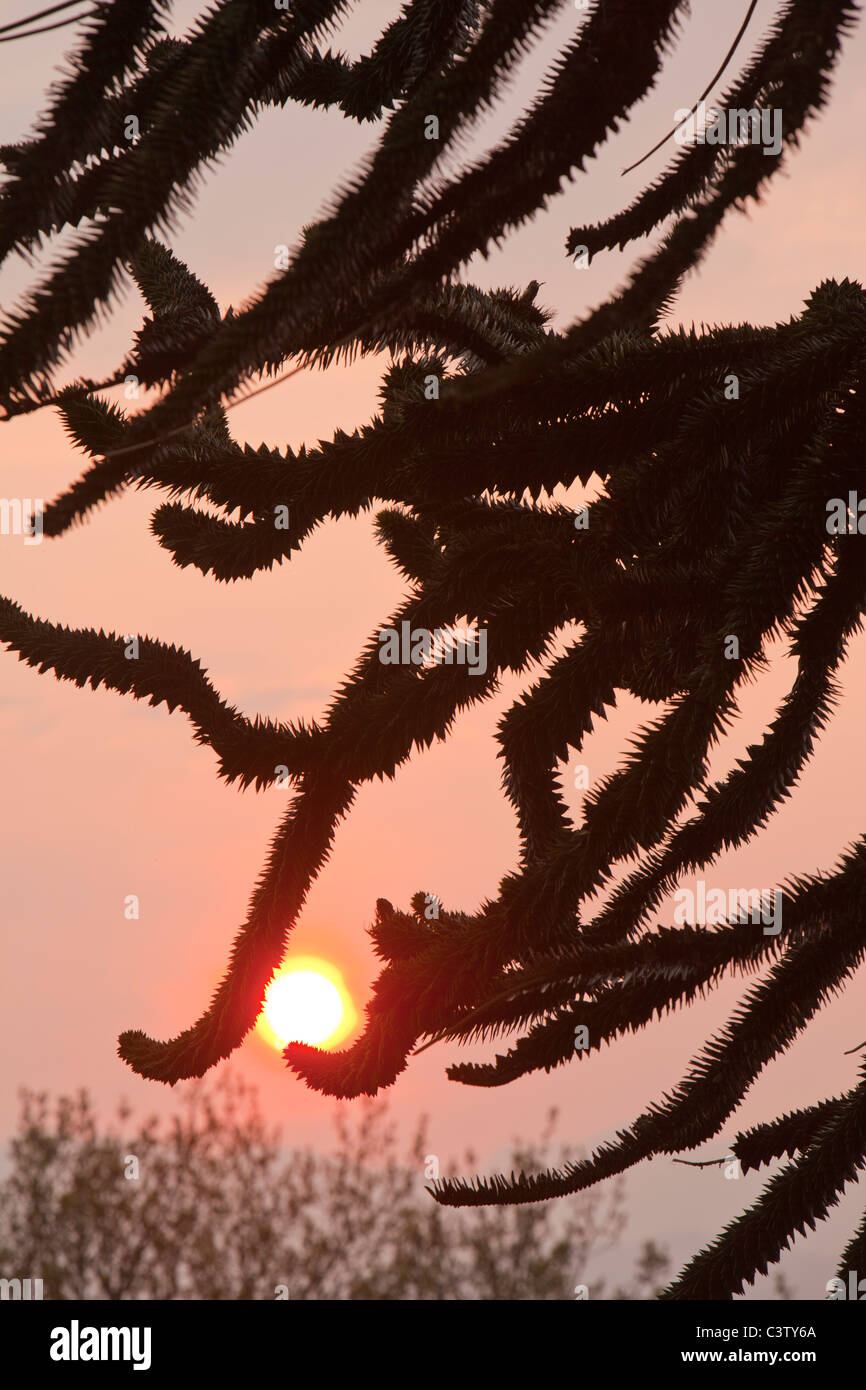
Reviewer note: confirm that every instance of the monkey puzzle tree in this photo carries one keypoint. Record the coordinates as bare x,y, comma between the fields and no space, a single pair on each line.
713,525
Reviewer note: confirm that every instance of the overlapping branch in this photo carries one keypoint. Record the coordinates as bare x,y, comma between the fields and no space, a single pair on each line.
719,453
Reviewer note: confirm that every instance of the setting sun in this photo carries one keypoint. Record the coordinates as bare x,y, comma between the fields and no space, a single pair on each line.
307,1002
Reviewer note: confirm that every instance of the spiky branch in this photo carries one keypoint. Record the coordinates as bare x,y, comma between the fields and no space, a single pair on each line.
719,452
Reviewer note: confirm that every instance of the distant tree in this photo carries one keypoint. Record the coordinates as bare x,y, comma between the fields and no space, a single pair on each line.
210,1206
729,458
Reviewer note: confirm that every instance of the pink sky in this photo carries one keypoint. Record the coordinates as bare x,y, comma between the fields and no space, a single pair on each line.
107,797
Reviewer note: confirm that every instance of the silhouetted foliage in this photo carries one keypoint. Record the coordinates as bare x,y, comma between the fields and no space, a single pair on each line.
712,524
210,1206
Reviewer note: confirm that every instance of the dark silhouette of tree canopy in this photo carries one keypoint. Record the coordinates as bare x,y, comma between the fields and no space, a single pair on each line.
713,523
209,1206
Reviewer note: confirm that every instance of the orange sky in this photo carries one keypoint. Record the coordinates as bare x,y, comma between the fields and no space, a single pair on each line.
106,797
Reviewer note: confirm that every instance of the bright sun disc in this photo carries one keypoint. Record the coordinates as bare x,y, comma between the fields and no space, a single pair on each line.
307,1002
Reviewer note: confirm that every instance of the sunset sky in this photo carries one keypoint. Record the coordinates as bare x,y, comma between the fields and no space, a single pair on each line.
106,797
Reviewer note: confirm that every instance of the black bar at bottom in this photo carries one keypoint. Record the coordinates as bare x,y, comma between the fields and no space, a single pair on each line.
170,1342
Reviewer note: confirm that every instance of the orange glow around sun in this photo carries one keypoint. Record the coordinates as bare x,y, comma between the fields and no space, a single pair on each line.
307,1002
